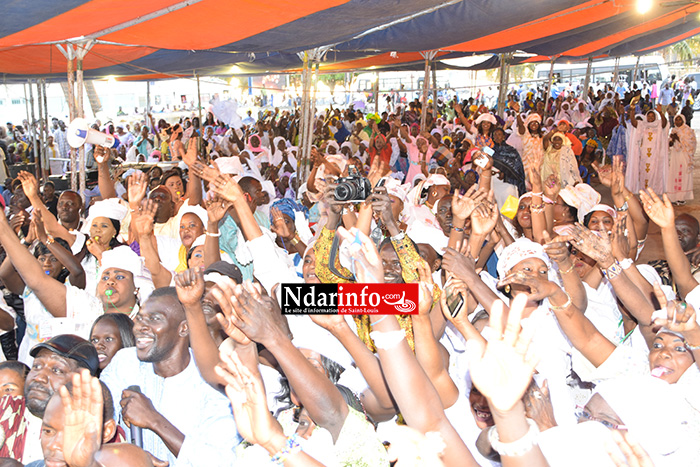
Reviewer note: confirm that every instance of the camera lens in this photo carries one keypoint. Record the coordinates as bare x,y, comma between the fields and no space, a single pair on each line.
345,191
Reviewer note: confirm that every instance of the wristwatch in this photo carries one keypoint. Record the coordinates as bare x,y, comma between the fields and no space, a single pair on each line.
622,208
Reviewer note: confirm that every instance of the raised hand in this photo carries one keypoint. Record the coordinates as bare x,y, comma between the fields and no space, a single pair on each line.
661,212
136,191
678,317
462,266
484,218
635,455
535,178
29,184
40,230
594,245
189,285
101,154
425,288
502,369
540,287
556,249
204,171
367,265
216,208
227,188
280,226
143,219
551,187
617,183
620,242
246,391
464,205
82,430
258,317
605,173
190,156
381,205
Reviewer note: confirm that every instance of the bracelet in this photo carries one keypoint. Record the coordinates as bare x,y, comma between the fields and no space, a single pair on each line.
49,240
290,448
398,237
387,340
690,346
612,271
294,241
539,193
518,447
379,320
568,270
537,208
209,234
457,229
566,304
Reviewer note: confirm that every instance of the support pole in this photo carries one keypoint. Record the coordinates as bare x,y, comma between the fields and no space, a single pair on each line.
42,140
636,67
616,71
587,81
304,156
47,167
80,113
32,128
376,93
435,89
200,141
549,85
426,87
503,86
71,117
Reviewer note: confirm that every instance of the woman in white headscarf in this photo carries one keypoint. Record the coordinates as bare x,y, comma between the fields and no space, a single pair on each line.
681,154
648,153
559,160
580,112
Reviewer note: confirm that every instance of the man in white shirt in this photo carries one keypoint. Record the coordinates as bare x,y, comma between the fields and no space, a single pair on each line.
184,420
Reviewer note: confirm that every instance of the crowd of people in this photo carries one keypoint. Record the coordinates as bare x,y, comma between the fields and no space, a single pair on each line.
147,311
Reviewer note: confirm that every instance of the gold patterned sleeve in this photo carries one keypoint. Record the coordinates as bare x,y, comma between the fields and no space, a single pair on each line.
322,250
408,257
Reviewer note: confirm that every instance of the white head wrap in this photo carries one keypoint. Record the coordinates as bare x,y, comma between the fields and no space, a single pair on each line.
582,196
487,117
122,257
229,165
420,232
198,211
522,248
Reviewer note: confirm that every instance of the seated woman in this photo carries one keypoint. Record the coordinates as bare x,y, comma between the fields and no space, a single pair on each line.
111,333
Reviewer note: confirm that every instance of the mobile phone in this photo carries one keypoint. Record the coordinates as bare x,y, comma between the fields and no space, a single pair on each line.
455,303
381,182
483,156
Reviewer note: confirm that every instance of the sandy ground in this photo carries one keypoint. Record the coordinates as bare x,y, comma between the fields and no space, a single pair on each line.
653,248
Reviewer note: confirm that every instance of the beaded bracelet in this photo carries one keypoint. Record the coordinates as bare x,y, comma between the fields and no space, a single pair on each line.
290,448
515,448
566,304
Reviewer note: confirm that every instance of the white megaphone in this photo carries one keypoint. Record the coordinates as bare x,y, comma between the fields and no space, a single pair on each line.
79,133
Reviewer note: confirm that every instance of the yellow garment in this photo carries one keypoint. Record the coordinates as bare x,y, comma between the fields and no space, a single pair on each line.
408,257
181,259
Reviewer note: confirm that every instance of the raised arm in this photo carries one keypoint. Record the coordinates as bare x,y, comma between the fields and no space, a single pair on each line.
194,184
50,292
258,320
216,210
31,190
661,212
104,178
64,256
142,222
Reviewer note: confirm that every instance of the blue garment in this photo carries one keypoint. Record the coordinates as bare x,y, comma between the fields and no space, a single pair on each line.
341,135
188,402
618,142
229,242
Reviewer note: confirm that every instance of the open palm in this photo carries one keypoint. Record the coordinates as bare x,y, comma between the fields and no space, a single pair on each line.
502,369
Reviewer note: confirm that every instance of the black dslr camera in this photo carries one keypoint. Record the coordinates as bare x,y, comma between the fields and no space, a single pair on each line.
353,188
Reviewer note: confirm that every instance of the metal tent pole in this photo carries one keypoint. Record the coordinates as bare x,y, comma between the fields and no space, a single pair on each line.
47,167
503,80
616,70
376,93
549,84
426,87
41,150
304,156
435,89
32,127
200,141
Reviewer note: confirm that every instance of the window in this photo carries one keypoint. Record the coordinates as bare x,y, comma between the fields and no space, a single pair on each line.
16,101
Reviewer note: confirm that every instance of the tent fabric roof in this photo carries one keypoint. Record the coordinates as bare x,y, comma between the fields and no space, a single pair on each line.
162,38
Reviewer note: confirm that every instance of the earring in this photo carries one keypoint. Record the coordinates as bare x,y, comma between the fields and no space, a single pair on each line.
507,289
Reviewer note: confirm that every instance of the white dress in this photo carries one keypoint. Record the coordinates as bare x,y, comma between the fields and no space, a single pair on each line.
648,159
681,163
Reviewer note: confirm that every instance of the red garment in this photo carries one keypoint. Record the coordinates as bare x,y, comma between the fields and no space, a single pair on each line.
576,144
384,154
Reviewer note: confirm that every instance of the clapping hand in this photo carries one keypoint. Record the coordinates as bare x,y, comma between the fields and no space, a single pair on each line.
502,368
136,191
216,208
594,245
